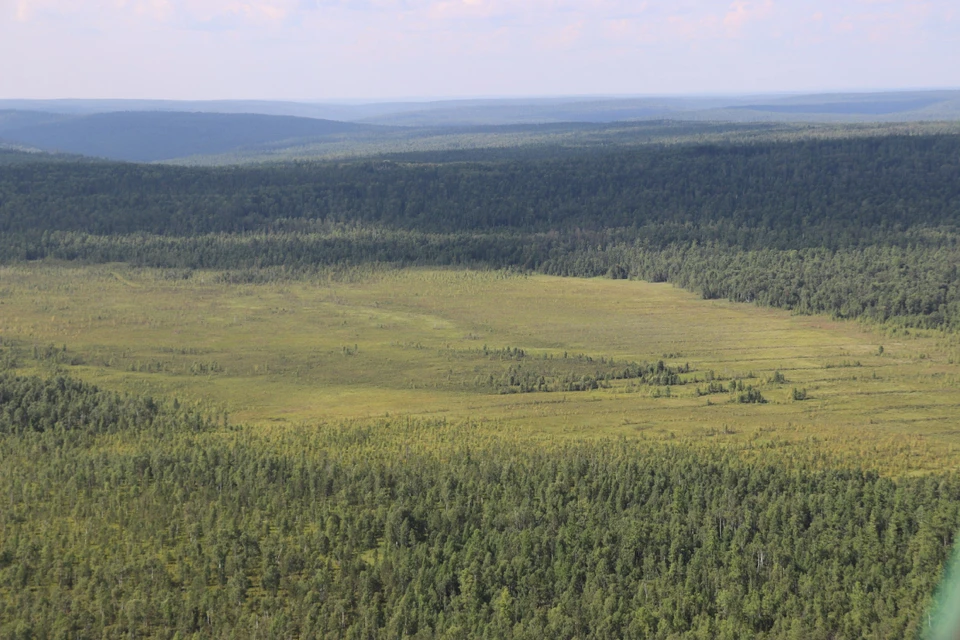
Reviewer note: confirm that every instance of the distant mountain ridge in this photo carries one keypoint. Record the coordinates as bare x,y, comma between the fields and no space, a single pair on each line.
148,136
896,105
228,132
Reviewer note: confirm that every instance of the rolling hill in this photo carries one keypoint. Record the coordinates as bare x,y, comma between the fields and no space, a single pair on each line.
229,132
152,135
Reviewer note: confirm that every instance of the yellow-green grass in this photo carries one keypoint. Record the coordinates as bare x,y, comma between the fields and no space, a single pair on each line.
368,343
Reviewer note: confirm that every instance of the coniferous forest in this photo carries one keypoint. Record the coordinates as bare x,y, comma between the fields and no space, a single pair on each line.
127,515
850,227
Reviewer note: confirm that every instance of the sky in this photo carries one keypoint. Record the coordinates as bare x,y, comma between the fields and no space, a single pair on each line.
316,50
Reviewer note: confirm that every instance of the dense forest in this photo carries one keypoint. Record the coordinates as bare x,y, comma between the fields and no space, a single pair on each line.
854,227
810,193
127,516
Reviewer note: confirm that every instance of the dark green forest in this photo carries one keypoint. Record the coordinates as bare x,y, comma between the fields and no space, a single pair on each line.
855,227
801,194
132,517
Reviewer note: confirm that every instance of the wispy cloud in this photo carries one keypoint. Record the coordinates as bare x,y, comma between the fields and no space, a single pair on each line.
160,11
742,12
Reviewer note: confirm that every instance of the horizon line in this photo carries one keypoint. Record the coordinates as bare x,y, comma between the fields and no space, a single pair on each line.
508,97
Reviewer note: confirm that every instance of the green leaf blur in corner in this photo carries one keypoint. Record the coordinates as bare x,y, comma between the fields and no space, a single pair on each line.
944,622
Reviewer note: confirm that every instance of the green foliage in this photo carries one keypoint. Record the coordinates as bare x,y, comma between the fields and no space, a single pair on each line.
143,525
576,373
62,405
711,389
787,195
853,227
750,395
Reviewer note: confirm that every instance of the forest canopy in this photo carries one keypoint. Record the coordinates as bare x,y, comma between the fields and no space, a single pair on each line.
773,195
128,516
855,227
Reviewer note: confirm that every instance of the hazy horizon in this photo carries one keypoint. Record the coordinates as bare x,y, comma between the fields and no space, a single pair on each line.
358,101
433,50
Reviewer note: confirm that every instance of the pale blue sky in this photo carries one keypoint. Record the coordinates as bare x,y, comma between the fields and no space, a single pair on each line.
367,49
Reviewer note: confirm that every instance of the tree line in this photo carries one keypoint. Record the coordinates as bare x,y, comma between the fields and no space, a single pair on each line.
831,193
124,516
854,227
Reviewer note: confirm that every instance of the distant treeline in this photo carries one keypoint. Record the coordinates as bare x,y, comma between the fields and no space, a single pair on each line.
124,517
915,285
771,195
853,227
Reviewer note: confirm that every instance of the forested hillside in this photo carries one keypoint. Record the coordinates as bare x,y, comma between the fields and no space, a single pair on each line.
786,195
130,517
147,136
862,226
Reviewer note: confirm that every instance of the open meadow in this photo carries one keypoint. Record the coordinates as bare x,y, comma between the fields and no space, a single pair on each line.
525,355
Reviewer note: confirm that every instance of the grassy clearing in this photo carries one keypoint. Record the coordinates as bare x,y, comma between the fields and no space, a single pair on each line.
425,343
